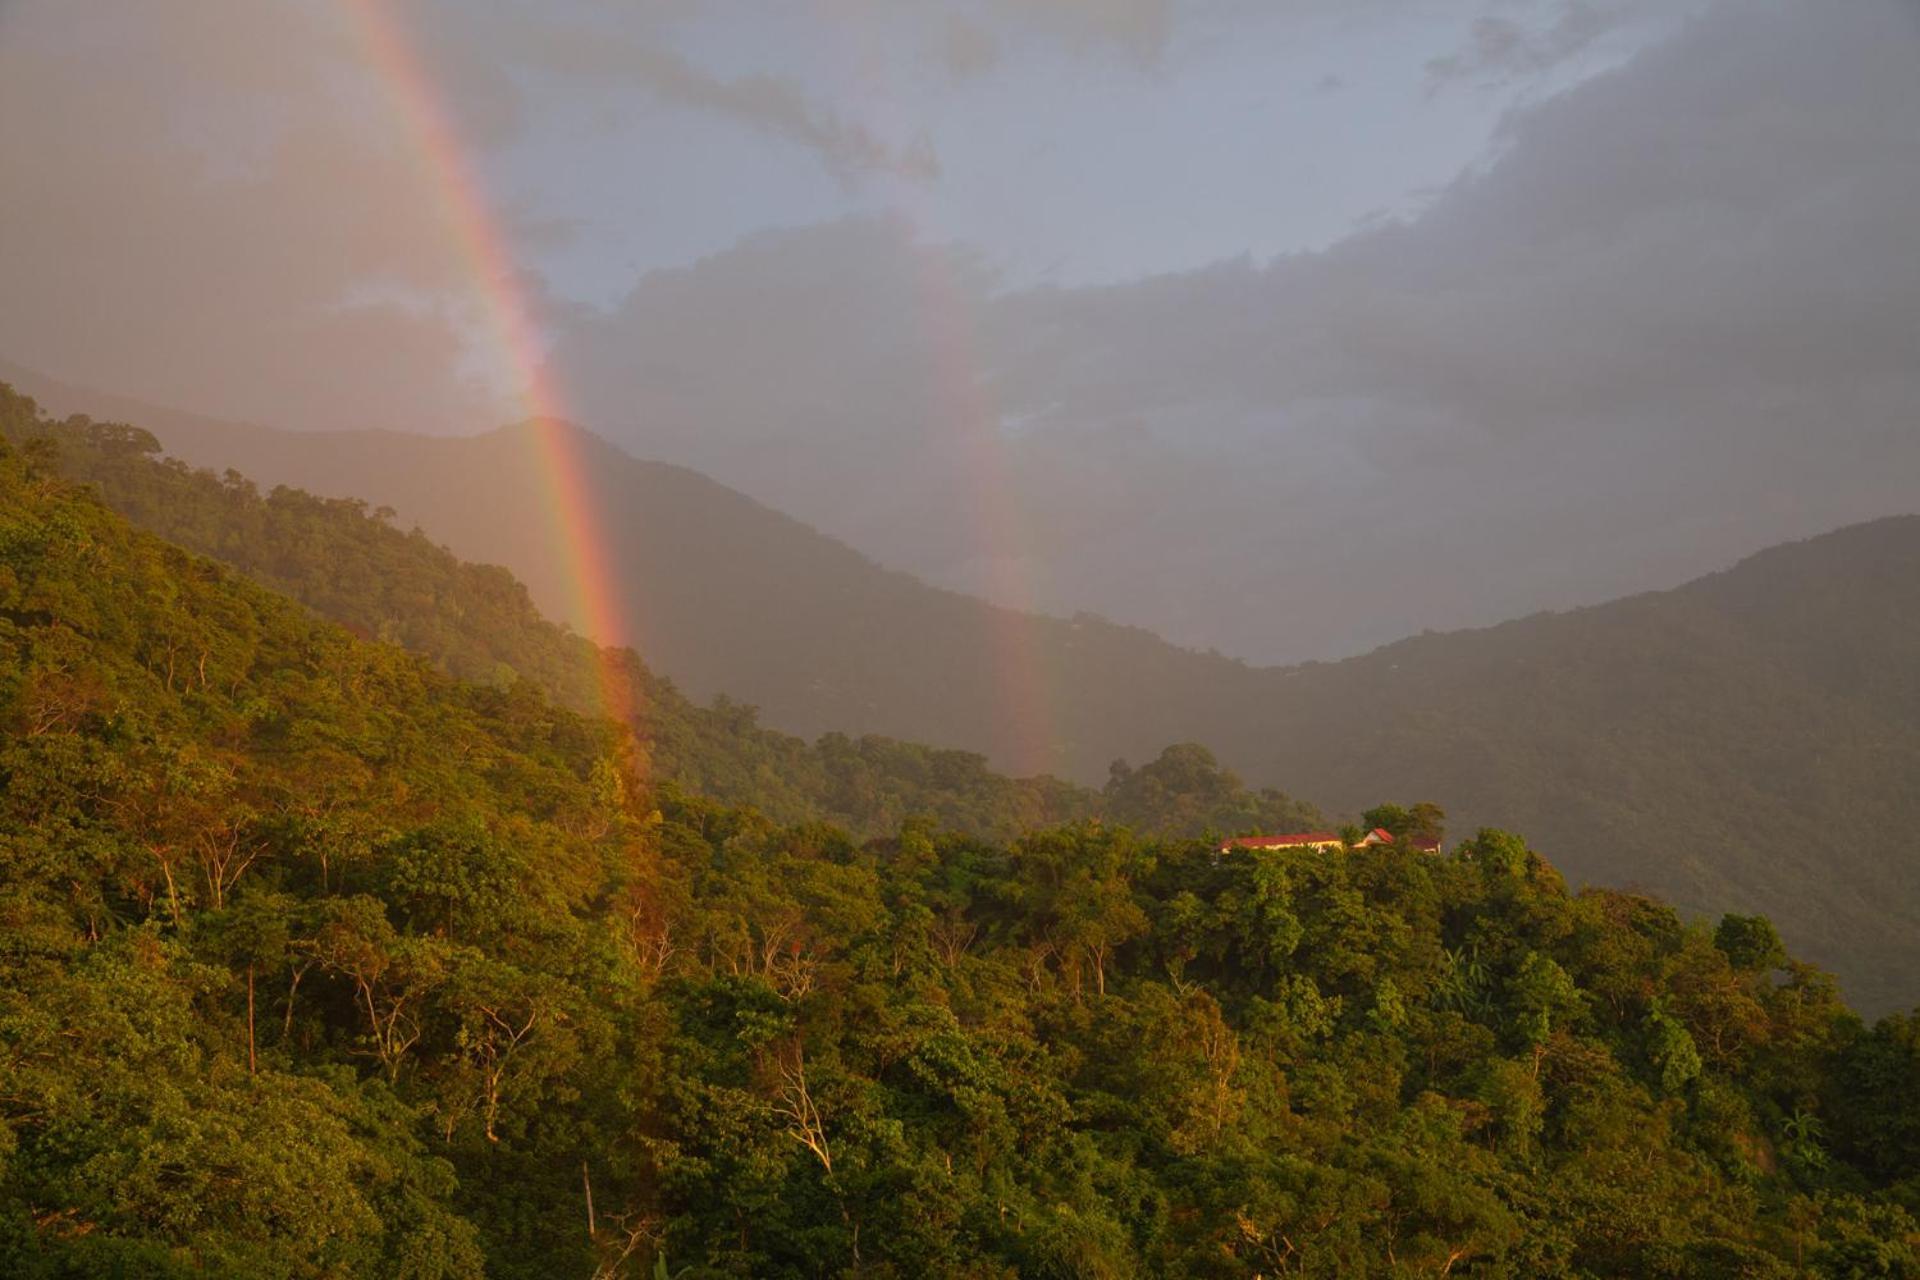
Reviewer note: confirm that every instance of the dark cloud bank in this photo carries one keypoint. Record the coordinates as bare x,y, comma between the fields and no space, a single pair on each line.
1677,318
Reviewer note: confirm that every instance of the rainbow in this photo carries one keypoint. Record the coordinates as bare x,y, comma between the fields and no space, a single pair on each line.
967,419
964,415
509,314
1028,730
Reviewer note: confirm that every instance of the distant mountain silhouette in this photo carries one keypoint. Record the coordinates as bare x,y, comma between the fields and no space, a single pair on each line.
1749,741
728,596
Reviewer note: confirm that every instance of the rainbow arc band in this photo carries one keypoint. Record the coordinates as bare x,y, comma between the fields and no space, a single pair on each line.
595,589
960,402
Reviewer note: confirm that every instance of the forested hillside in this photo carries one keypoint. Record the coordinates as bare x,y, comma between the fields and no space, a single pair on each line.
1750,740
477,622
1747,740
319,962
727,596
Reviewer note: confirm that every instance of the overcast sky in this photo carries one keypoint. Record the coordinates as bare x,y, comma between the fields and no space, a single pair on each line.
1282,328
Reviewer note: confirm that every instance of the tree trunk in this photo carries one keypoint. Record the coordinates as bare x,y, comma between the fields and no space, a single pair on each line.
293,988
173,894
586,1180
253,1062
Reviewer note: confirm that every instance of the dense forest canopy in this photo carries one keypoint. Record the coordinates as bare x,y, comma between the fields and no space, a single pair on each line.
1746,741
320,961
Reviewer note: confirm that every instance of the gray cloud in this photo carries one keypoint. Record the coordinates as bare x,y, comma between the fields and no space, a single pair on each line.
967,47
218,205
196,212
970,37
1584,371
793,364
1140,28
638,53
780,108
1512,41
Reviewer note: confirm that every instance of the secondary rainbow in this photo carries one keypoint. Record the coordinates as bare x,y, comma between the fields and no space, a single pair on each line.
963,410
592,583
960,406
967,421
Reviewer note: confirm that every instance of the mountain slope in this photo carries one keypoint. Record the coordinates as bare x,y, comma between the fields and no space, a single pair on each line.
478,623
1751,739
320,963
1748,739
727,596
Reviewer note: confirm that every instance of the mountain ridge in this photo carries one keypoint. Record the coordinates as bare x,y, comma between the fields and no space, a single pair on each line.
478,623
323,962
1730,742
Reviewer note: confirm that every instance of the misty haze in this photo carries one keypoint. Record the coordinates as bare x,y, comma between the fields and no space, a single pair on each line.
985,638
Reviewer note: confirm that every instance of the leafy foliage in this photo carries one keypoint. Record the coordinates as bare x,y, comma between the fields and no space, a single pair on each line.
319,962
1745,742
